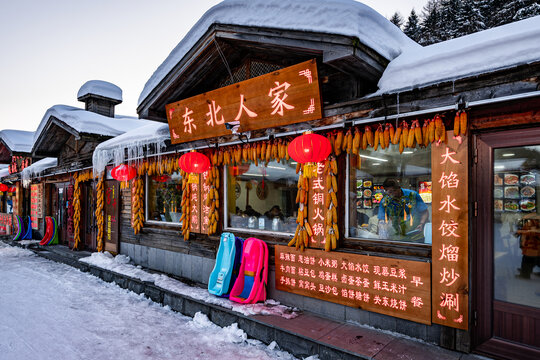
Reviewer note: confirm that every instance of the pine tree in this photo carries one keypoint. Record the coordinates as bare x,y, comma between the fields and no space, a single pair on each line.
412,27
397,19
526,10
448,20
431,31
469,18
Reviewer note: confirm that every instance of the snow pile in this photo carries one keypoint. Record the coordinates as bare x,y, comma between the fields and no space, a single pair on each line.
152,136
107,261
7,251
82,121
101,88
36,169
486,51
28,242
18,140
340,17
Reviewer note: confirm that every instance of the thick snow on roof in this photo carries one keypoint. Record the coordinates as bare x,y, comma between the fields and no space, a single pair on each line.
88,122
36,169
482,52
4,171
340,17
18,140
101,88
152,133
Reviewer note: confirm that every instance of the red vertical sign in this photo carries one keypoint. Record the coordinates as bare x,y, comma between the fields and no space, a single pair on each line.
316,210
450,290
195,213
205,210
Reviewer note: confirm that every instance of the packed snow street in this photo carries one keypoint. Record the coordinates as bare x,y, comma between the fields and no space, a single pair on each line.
52,311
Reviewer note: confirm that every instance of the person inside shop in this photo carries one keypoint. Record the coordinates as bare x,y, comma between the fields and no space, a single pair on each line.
529,243
402,213
274,212
250,211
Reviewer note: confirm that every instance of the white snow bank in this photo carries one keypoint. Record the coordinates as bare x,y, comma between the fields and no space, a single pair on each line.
18,140
36,169
101,88
482,52
151,133
120,265
88,122
340,17
8,251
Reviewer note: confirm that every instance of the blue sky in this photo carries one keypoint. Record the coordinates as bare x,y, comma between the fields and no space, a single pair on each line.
50,48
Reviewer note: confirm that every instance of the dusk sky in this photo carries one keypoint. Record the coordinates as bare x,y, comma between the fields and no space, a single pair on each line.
50,48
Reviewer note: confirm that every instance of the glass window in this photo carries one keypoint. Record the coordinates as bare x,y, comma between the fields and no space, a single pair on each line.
262,197
390,195
516,225
164,198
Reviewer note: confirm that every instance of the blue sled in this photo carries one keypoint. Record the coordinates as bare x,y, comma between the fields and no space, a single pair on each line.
227,260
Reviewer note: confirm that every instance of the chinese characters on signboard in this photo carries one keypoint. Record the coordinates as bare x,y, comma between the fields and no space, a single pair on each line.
36,204
450,290
111,215
316,207
394,287
286,96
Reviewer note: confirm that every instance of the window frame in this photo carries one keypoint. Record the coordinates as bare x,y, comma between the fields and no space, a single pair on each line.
244,230
154,222
381,242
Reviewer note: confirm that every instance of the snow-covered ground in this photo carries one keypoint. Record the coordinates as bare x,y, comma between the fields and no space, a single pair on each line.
53,311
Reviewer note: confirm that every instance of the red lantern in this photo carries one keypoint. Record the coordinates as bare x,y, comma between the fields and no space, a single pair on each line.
309,149
3,187
123,172
194,163
12,189
161,179
238,170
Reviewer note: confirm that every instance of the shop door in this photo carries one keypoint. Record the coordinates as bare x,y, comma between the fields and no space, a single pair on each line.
88,219
59,207
506,260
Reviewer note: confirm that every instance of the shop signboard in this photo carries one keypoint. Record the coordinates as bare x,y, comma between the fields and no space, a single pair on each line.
450,291
317,196
395,287
195,204
5,223
283,97
112,190
36,204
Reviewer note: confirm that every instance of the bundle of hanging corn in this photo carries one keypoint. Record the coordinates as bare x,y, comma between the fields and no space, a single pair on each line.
137,204
186,207
331,203
99,212
76,211
303,231
212,200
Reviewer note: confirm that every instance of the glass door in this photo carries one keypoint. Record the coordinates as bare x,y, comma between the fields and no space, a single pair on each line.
507,254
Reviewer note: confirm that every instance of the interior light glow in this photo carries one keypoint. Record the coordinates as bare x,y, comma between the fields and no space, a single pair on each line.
372,158
508,154
276,167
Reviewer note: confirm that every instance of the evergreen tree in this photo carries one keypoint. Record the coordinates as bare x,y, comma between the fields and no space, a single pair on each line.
397,19
431,31
448,19
527,9
412,27
469,18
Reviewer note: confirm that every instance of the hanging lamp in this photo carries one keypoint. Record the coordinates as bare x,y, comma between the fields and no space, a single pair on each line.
194,163
310,149
123,172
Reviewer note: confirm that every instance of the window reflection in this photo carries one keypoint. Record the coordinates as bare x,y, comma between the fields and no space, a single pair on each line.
164,198
390,195
262,197
516,225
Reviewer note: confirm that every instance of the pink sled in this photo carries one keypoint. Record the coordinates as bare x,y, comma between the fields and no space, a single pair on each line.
250,285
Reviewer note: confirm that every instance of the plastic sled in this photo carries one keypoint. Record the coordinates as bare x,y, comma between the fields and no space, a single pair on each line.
20,228
220,277
49,229
239,244
54,237
250,286
28,227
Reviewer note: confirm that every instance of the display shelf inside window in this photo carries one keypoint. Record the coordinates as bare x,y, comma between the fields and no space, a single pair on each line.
373,213
262,197
164,198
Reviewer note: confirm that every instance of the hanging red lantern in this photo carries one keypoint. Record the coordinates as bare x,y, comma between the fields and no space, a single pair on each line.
194,163
3,187
239,169
123,172
309,149
12,189
161,178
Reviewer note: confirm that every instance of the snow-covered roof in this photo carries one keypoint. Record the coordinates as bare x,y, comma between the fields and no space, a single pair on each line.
4,171
486,51
101,88
36,169
88,122
18,140
152,133
340,17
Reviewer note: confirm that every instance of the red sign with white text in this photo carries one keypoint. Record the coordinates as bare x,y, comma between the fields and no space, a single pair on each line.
395,287
450,292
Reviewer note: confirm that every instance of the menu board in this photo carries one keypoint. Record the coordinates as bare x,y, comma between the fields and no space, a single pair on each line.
450,254
36,204
395,287
514,191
